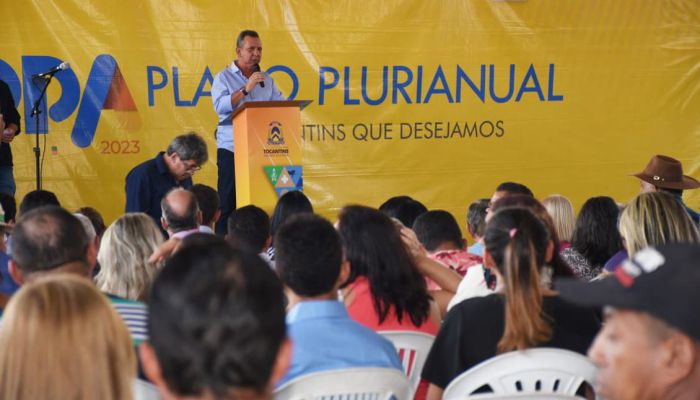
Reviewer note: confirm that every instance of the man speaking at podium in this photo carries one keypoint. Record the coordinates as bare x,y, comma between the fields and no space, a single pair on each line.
241,82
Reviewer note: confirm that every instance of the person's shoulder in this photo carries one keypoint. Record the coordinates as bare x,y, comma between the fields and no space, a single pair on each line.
562,308
143,165
135,317
226,71
349,327
473,309
478,303
143,169
372,338
122,303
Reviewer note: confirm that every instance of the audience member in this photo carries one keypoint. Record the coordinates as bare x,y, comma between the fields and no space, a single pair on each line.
476,225
35,199
654,218
557,267
50,240
562,212
482,281
596,237
508,189
60,339
217,325
7,285
208,200
649,346
249,229
93,241
149,182
128,243
180,213
310,264
385,289
404,209
525,315
94,227
98,223
438,231
665,174
288,205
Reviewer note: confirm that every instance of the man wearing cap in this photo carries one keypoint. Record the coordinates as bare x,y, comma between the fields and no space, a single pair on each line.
664,173
649,346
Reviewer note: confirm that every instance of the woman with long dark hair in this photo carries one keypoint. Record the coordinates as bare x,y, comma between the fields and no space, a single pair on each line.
596,237
385,290
525,314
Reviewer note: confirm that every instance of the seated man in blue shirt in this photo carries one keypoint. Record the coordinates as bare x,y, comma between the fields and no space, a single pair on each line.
150,181
235,85
310,262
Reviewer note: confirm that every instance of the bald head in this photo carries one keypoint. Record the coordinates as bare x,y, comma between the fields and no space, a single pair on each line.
48,238
180,211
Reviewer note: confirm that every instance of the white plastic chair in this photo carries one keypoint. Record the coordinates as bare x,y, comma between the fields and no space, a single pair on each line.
347,384
532,371
522,396
413,348
145,391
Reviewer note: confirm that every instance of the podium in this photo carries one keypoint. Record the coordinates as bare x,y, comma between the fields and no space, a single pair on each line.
268,151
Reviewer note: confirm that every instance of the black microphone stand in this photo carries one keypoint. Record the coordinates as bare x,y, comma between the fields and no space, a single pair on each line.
35,114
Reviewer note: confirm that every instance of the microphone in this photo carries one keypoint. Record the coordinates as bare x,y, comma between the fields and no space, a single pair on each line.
256,68
60,67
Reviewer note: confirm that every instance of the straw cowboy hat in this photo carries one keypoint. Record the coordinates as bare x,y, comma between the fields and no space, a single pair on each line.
666,172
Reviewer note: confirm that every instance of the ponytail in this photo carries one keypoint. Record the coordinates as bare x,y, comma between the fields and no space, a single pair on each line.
524,324
517,242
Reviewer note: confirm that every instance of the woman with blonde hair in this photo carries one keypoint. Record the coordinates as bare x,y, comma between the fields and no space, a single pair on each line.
61,339
656,218
562,213
126,247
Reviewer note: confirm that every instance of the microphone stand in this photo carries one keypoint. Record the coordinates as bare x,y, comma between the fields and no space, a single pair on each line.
35,114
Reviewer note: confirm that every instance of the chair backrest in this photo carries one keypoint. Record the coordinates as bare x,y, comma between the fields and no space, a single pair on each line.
413,348
145,391
539,370
347,384
520,396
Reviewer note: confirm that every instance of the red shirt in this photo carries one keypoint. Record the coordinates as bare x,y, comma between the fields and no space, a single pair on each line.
362,310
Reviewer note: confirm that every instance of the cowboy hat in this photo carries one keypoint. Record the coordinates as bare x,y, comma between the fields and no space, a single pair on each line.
666,172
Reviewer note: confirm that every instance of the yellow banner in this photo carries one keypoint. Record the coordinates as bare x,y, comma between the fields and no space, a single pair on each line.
438,100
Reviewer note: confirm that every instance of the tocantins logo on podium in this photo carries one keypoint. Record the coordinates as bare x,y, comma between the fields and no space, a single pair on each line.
275,137
285,178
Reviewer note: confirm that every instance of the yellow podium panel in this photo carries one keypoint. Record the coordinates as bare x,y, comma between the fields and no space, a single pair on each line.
268,148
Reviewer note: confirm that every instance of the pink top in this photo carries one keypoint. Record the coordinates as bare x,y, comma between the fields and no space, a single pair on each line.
457,260
563,245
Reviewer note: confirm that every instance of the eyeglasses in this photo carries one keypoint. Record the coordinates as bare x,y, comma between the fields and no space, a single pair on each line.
190,166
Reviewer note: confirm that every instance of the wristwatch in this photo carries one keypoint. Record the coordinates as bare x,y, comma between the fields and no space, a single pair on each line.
242,90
